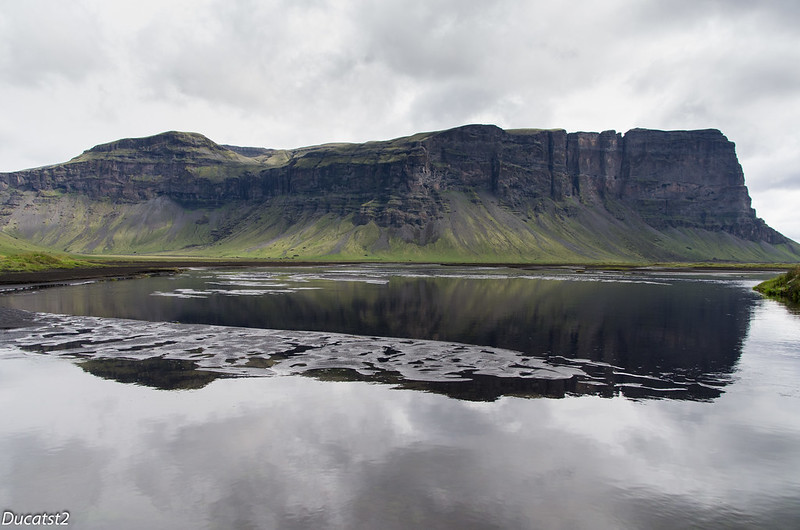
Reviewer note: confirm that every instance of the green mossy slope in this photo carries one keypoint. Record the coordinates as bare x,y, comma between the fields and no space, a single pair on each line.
474,193
473,228
20,256
784,287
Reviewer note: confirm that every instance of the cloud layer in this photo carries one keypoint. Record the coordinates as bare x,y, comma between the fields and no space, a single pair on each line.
291,73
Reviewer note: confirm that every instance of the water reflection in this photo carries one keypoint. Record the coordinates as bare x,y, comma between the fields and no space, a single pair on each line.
185,356
643,335
156,372
292,452
298,452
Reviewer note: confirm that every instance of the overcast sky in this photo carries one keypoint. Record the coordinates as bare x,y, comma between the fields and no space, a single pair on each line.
291,73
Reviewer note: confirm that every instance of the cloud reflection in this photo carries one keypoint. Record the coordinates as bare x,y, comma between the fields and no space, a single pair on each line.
294,452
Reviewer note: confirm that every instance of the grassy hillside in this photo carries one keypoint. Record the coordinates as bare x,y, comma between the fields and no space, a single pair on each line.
474,228
20,256
470,194
784,287
11,246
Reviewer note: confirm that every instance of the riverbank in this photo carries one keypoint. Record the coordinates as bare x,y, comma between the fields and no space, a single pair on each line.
785,287
113,269
107,269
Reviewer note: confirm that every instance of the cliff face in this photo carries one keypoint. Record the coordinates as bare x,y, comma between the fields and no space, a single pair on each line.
663,179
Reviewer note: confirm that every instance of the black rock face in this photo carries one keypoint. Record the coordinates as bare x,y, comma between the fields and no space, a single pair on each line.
667,179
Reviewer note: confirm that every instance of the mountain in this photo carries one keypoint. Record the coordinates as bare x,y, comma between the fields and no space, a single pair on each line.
474,193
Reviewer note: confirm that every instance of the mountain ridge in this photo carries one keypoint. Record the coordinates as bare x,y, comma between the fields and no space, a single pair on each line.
475,192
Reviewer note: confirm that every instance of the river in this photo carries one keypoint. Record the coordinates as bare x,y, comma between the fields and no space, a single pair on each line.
388,396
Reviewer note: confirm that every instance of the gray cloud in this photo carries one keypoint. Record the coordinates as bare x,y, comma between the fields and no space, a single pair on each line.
249,55
432,40
44,40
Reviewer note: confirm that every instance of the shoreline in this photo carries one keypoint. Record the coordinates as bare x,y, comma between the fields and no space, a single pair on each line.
126,269
110,270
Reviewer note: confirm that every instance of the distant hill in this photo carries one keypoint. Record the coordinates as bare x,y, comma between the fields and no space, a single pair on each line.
10,246
475,193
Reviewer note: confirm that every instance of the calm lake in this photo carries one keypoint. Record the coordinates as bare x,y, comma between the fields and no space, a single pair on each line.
387,396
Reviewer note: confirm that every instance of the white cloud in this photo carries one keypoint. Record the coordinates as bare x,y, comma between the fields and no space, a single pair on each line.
778,207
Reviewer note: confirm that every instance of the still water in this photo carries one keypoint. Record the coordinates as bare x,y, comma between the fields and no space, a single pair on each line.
403,397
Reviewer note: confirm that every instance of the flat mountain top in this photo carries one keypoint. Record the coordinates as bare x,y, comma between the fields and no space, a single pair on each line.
471,193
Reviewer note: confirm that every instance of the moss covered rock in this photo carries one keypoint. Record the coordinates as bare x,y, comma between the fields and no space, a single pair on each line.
785,287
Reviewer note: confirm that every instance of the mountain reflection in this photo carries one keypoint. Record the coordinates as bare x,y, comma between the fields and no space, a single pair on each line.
638,335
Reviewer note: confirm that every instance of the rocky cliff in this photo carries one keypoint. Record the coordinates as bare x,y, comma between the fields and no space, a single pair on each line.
473,190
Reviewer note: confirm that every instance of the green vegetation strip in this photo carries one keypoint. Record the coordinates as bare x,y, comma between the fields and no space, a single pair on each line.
785,287
40,261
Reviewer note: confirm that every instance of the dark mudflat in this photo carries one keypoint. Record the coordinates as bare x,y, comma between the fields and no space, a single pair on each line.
65,275
129,269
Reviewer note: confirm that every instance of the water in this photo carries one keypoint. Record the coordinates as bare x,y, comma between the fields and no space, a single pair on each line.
435,397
